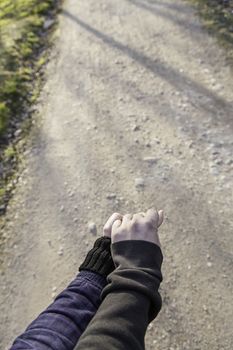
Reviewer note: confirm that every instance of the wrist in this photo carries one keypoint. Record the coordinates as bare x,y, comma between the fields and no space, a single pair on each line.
99,259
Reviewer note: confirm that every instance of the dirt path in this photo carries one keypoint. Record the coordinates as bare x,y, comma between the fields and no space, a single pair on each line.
136,93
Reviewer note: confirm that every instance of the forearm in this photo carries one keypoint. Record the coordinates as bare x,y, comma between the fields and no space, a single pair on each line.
63,322
130,300
114,325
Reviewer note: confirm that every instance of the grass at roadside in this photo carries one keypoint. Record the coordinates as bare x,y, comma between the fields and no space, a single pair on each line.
24,25
218,18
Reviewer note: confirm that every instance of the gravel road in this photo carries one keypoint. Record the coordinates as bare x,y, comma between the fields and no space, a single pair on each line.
136,112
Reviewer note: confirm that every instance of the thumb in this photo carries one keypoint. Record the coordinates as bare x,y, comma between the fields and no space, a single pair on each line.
161,218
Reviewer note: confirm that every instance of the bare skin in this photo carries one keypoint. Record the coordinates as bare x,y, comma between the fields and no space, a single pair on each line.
139,226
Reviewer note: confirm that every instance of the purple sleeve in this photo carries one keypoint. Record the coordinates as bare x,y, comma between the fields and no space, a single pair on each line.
64,321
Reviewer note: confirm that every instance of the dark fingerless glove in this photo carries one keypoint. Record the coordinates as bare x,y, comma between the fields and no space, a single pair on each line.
99,258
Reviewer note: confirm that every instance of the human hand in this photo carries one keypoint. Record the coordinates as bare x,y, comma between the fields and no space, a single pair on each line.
107,230
140,226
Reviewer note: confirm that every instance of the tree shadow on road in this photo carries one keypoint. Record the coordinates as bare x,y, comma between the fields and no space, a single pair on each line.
199,95
189,26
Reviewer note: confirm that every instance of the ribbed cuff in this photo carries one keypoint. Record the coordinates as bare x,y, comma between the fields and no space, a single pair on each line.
99,258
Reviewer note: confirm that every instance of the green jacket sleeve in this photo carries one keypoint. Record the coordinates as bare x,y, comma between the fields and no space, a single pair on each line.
130,301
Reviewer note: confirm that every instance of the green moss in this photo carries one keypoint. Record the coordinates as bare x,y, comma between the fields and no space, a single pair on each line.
22,43
21,23
2,192
9,152
218,19
4,116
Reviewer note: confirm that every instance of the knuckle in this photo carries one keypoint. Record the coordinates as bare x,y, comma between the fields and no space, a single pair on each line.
106,229
136,225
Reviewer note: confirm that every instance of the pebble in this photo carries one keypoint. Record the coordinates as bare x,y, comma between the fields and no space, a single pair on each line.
48,23
17,132
150,160
2,209
209,264
145,119
136,128
62,208
111,196
218,161
139,182
229,162
205,308
92,228
60,251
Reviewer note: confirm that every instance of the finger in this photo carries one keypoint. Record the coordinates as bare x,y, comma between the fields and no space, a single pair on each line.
127,218
153,216
116,225
108,226
161,218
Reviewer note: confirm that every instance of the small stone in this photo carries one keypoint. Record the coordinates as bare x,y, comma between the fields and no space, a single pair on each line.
60,251
139,182
92,228
145,119
62,208
150,160
111,196
2,209
54,289
150,326
205,308
53,295
209,264
136,128
17,132
48,23
75,220
229,162
218,161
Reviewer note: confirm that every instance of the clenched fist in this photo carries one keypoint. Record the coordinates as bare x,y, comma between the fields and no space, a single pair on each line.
140,226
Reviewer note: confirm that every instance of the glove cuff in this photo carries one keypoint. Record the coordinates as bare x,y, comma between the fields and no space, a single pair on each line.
99,258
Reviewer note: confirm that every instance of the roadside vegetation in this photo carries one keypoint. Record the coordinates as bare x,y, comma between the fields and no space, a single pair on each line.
218,18
24,29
